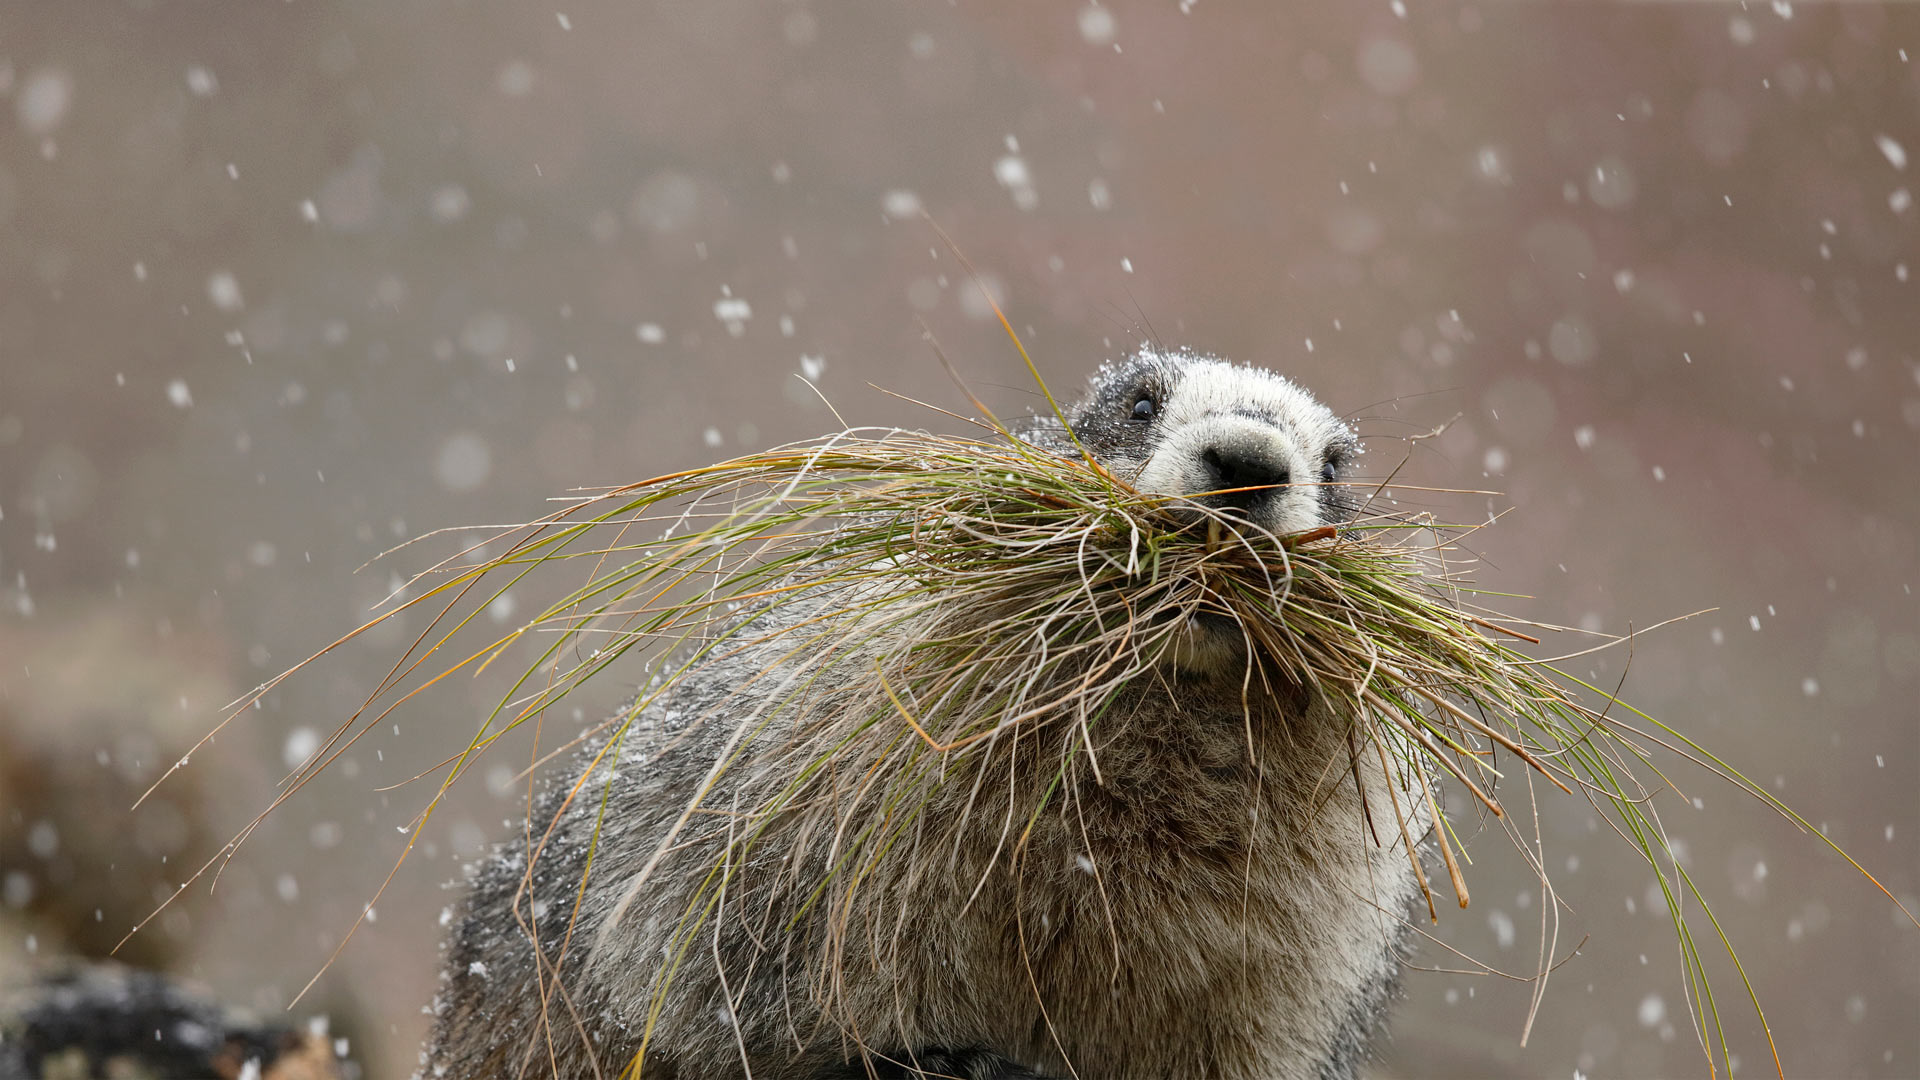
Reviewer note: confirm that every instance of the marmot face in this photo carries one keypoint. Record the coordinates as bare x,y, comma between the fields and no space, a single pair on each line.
1178,423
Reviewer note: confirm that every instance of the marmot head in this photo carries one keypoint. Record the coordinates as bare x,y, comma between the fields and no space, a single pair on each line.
1179,423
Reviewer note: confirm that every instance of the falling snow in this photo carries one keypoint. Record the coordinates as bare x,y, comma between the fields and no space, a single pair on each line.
301,744
463,463
1895,154
1097,25
224,291
43,100
1011,172
201,81
901,204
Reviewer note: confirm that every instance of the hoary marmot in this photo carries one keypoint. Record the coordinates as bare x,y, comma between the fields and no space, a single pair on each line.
1215,906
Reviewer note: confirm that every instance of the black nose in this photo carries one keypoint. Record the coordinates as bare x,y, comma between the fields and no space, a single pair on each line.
1242,464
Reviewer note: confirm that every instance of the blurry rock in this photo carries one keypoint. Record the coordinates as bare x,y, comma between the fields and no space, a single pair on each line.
108,1021
88,720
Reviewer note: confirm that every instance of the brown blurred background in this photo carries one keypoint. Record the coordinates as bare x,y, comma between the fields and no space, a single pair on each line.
282,284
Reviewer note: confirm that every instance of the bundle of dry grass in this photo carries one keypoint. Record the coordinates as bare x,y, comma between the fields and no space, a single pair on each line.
1037,586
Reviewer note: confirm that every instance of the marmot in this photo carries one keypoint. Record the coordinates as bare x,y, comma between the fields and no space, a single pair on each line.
1214,905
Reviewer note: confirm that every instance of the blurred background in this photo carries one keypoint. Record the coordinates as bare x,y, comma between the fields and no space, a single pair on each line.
282,285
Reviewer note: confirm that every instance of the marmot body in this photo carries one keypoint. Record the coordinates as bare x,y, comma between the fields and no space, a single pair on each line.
1215,906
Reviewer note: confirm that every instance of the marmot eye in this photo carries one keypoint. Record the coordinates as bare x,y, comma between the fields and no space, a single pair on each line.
1327,472
1143,408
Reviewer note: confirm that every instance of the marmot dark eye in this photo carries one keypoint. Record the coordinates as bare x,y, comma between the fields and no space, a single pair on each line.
1327,472
1143,409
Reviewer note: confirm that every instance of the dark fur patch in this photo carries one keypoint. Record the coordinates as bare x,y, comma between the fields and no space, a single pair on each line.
934,1065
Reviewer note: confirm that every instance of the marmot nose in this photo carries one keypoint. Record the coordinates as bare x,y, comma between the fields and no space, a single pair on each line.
1242,463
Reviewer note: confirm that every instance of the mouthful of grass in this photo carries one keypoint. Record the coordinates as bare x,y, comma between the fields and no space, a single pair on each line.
964,594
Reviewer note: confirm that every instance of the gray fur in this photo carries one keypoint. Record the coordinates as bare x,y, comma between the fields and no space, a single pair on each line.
1211,909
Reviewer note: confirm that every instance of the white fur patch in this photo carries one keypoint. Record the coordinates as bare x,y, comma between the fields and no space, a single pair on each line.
1213,401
